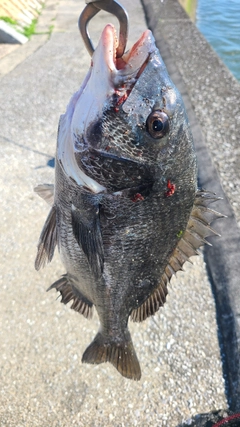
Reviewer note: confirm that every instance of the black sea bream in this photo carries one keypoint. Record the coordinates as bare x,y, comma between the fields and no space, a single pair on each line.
126,213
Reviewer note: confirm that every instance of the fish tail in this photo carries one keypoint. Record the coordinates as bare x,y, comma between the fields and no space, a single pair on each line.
120,353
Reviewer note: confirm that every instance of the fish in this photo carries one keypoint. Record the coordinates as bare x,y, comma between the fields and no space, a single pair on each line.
126,212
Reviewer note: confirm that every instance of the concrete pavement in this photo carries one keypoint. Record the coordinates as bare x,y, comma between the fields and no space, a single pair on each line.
42,379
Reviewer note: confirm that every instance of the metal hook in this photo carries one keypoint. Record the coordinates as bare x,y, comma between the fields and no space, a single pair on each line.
111,6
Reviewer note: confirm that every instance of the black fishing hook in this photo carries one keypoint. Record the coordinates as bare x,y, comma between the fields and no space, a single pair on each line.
111,6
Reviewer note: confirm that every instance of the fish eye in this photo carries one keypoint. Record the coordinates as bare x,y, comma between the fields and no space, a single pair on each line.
157,124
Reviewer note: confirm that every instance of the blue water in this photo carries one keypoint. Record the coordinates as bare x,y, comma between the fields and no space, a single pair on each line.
219,22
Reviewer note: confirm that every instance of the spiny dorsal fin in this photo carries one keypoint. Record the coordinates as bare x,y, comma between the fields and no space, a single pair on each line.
120,354
47,241
205,198
79,304
193,238
46,192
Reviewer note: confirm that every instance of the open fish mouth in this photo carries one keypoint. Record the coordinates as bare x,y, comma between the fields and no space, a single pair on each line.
125,71
132,60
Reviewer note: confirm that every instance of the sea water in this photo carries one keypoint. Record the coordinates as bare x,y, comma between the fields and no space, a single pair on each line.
219,22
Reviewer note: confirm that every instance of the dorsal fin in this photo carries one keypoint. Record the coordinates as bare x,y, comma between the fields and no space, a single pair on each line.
198,227
47,241
153,303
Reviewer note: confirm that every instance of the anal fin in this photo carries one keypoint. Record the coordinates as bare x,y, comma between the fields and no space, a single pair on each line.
68,293
47,241
120,354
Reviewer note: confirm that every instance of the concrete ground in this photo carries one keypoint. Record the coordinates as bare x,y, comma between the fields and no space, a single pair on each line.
43,382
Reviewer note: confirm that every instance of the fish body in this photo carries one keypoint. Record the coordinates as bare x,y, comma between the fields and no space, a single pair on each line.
126,213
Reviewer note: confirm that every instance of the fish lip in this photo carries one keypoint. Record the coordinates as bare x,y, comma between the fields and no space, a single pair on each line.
132,63
109,42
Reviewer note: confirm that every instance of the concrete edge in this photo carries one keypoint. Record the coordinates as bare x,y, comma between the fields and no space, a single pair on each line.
14,58
222,259
8,34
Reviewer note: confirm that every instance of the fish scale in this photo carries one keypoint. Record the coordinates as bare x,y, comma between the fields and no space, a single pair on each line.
126,213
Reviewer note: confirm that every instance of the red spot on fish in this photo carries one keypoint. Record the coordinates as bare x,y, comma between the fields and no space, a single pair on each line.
122,99
107,148
137,198
171,189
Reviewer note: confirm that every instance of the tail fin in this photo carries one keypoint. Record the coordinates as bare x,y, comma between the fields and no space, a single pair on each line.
121,354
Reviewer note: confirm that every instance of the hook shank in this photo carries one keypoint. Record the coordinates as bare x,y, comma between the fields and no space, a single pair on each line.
111,6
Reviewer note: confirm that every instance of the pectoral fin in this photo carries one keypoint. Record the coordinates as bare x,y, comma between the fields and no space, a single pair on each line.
88,235
47,241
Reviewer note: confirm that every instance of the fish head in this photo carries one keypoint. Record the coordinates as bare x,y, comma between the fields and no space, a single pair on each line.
127,123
